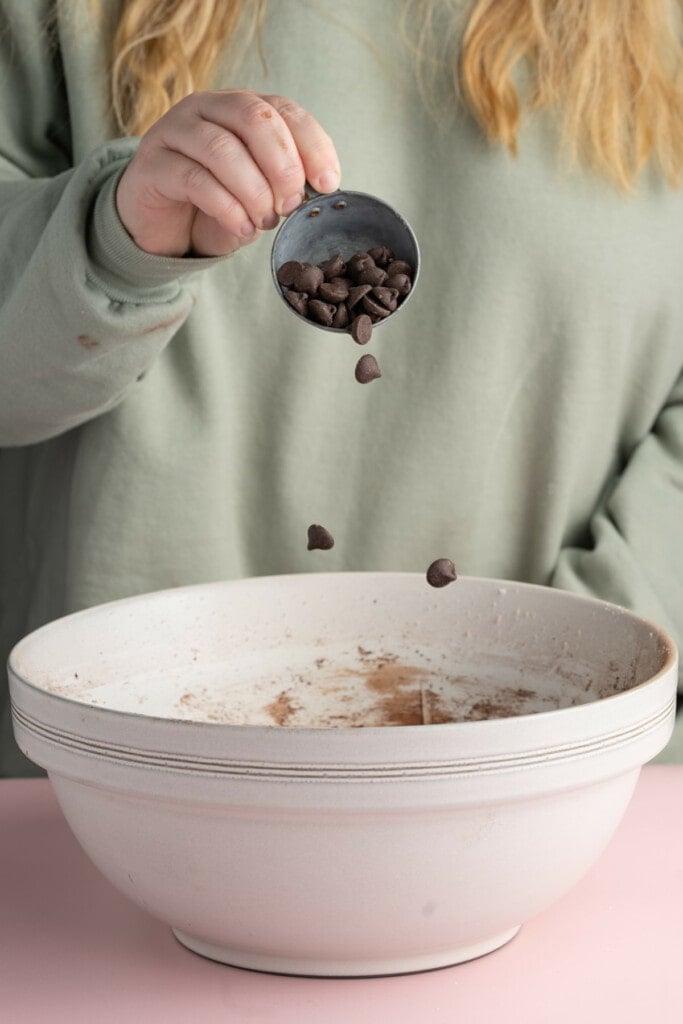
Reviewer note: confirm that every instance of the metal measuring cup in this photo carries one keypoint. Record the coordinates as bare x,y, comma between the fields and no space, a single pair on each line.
343,223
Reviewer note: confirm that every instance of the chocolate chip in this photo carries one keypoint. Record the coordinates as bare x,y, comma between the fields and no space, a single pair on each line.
399,267
308,279
287,273
361,329
441,572
319,537
356,294
333,267
323,312
298,301
373,307
371,275
358,263
400,282
335,290
381,255
387,297
367,369
341,317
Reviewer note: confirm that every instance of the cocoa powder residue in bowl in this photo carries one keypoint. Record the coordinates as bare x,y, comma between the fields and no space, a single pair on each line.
282,708
506,703
403,699
382,690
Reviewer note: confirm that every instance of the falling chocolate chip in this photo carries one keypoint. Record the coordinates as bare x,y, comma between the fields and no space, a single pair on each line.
367,369
361,329
319,537
441,572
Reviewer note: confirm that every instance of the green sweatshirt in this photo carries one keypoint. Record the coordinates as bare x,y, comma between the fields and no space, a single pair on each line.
168,421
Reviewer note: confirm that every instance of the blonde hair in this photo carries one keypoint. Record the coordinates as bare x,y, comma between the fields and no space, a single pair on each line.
163,51
612,69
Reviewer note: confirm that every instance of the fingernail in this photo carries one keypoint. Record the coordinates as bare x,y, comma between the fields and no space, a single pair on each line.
328,181
270,221
247,229
291,203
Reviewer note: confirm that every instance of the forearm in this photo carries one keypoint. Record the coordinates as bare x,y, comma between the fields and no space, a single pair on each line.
83,310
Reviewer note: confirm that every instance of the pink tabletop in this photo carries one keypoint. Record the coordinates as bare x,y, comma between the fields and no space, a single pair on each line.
73,949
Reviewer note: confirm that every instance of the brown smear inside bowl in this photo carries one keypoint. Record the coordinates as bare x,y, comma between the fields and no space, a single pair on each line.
355,686
391,692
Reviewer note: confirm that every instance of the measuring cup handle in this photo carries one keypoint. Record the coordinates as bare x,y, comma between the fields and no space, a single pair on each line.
312,194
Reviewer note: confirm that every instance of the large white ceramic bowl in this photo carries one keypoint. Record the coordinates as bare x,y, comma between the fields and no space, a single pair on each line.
345,774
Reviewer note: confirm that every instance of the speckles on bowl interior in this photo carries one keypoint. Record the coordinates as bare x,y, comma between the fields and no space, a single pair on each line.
328,686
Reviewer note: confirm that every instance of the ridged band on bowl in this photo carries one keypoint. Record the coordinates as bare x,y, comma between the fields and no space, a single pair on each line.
239,767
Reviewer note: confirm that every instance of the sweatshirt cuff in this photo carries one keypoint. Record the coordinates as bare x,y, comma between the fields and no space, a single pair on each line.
117,258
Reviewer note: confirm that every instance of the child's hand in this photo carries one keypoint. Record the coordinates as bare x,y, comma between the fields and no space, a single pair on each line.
217,168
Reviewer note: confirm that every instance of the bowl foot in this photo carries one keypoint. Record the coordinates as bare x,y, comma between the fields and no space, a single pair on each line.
342,968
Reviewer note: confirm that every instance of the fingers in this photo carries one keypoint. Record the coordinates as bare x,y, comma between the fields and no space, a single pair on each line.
315,147
262,151
190,182
177,186
236,159
228,160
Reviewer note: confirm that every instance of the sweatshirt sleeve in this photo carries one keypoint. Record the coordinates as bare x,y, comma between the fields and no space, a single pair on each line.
83,310
636,559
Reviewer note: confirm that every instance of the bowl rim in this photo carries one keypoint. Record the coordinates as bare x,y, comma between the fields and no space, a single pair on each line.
669,663
90,742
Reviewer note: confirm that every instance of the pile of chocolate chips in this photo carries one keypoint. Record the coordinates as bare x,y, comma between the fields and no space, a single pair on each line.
349,295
